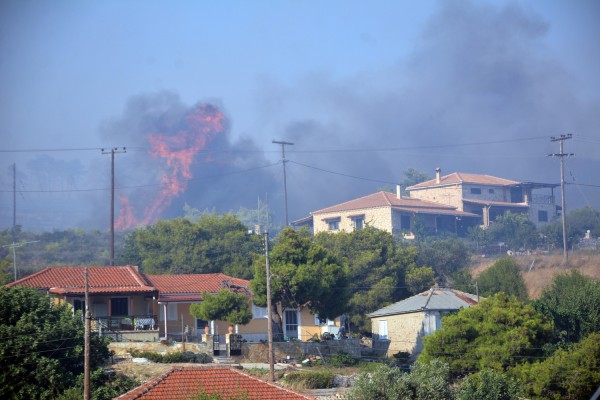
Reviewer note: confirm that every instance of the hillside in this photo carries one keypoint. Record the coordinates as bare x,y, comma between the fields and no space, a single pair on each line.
538,270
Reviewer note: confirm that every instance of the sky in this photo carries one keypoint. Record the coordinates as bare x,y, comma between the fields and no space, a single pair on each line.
364,90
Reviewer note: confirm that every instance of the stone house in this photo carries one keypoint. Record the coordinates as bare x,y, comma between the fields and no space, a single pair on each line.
401,326
489,196
390,212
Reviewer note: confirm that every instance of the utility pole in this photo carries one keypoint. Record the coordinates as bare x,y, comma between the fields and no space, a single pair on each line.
112,153
86,340
283,144
14,251
561,154
269,319
14,232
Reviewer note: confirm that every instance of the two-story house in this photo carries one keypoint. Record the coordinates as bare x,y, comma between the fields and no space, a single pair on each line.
390,212
489,196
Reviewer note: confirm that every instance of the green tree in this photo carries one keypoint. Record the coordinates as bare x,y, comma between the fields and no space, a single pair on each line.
303,274
223,306
498,332
570,374
515,230
41,351
488,385
214,243
379,270
579,221
503,276
445,256
424,382
572,301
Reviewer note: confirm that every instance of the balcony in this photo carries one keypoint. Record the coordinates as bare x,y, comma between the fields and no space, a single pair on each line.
130,327
542,199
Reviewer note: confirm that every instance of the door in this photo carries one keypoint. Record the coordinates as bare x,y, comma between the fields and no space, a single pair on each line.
291,324
383,330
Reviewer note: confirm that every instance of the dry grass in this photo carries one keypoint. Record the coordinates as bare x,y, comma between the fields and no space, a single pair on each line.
144,372
545,267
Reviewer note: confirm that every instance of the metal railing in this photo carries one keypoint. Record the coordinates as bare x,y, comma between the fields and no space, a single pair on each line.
126,323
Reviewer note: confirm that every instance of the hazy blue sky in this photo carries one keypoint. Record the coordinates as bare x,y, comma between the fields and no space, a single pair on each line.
327,75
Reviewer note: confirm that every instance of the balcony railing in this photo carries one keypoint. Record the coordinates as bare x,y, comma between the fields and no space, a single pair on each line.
542,199
126,323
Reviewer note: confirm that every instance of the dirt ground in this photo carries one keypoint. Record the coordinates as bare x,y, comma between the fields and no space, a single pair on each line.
538,270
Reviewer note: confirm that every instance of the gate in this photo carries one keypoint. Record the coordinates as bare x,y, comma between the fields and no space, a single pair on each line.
235,345
219,345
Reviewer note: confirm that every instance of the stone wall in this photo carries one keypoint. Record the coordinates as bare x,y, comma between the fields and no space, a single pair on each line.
259,352
380,218
404,332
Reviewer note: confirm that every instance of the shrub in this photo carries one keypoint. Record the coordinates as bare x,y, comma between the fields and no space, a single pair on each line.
188,356
310,380
487,384
342,359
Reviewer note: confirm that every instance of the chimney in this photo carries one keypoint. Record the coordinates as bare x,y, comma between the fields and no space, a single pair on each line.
398,191
438,172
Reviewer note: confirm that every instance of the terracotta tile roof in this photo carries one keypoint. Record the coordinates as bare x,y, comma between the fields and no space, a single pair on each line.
184,383
188,287
71,280
387,199
461,177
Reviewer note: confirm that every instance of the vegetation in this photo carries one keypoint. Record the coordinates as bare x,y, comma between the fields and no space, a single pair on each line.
446,256
380,271
310,379
516,231
223,306
424,382
303,274
41,346
489,385
497,333
573,303
342,359
214,243
571,373
105,386
175,357
579,221
503,276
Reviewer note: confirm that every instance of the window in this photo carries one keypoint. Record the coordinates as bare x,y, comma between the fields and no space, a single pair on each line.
542,216
490,191
383,331
171,311
333,224
358,223
78,305
119,306
475,190
259,312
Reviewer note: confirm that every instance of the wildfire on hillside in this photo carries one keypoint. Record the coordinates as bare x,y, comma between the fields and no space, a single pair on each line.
177,153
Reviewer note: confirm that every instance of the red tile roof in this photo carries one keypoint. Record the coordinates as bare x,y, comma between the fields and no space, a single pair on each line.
461,177
71,280
387,199
189,287
184,383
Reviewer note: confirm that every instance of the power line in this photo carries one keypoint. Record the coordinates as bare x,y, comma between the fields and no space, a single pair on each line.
356,150
143,186
342,174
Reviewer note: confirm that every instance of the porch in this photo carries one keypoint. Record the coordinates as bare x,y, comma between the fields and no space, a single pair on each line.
124,328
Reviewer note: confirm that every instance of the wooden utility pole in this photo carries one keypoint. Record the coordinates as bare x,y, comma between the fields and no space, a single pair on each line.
283,160
561,154
269,318
86,340
112,153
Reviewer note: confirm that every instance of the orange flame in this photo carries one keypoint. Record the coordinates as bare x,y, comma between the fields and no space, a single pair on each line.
178,151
